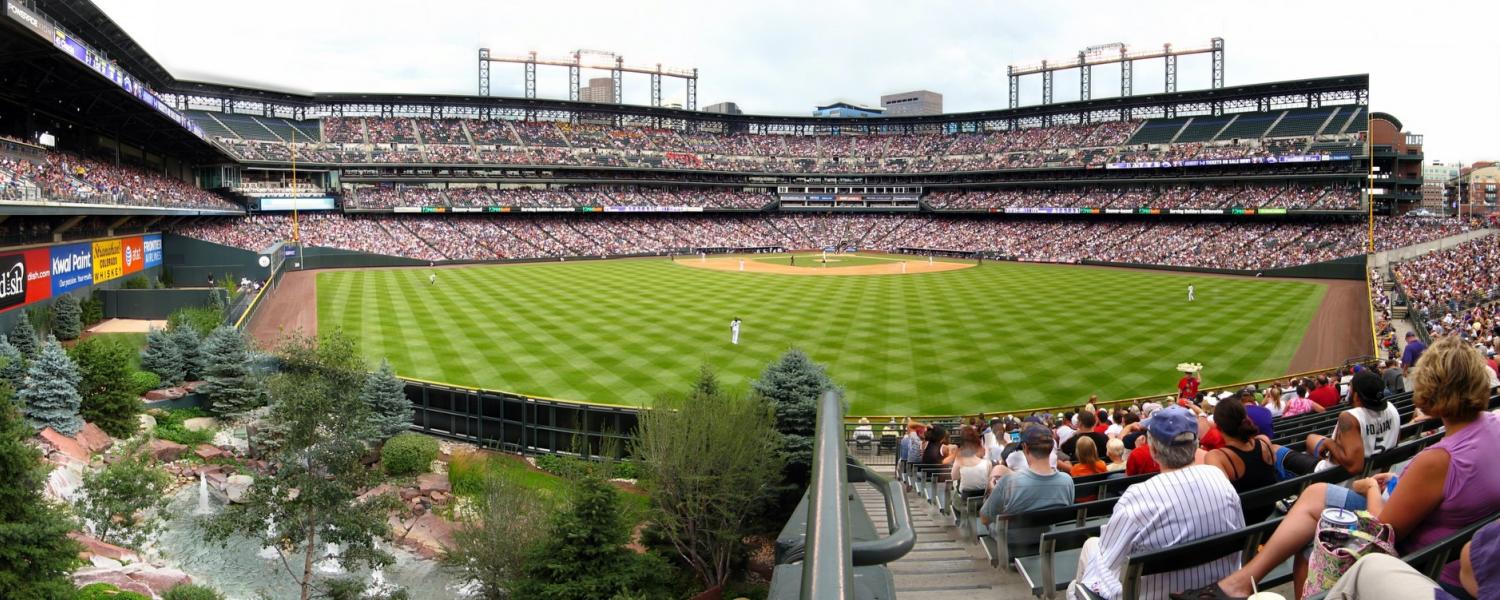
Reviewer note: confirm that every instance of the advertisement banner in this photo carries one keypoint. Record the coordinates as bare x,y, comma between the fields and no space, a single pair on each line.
72,267
152,244
133,255
38,275
107,261
12,280
31,21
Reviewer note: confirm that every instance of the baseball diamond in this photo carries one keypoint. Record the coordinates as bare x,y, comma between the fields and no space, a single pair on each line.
997,336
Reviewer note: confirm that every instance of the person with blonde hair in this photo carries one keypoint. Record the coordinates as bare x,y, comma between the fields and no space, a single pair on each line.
1116,451
1447,487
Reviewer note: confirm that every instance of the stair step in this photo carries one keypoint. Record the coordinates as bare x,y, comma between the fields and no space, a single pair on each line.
910,581
902,567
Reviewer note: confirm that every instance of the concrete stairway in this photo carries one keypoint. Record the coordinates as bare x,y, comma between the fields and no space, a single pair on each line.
941,566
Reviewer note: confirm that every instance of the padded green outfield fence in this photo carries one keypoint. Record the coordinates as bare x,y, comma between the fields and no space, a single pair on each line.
997,337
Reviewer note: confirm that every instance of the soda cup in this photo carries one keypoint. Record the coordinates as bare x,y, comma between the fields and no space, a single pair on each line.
1336,526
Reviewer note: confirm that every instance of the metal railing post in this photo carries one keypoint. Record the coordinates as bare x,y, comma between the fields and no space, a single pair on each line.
828,571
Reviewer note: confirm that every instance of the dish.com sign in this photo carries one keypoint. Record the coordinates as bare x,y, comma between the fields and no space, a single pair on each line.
41,273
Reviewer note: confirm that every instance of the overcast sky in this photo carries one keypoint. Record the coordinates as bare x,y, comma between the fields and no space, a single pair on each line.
1435,64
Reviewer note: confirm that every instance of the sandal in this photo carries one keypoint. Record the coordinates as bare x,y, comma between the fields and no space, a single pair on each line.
1211,591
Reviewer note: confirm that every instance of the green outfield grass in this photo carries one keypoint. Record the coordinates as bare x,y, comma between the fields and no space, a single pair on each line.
996,337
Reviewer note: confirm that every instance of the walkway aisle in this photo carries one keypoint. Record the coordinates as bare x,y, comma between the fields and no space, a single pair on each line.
941,566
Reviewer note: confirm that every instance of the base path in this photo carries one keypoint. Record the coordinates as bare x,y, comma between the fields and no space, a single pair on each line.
893,267
291,307
1340,330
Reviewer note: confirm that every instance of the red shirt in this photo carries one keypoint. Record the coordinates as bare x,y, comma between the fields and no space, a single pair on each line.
1101,428
1187,387
1140,460
1212,440
1325,396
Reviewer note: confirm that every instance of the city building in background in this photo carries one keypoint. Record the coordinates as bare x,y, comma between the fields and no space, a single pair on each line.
1397,187
1436,177
919,102
724,108
1475,187
844,109
599,89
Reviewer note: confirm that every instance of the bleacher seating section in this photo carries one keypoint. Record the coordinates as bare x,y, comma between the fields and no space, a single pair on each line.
1047,562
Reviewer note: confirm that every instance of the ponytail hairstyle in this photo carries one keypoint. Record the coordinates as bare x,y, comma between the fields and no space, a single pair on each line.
1232,420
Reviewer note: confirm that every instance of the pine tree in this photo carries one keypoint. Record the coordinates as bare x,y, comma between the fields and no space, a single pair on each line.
385,394
161,357
793,384
51,391
23,337
105,385
67,317
12,365
189,345
227,383
36,554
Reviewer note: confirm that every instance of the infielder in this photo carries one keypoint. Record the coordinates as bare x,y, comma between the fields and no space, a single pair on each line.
1191,297
734,331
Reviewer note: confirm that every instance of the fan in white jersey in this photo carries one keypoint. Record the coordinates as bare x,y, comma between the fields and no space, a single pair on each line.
1370,427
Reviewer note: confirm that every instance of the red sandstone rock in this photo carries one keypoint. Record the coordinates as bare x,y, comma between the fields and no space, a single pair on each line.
428,483
65,444
93,439
166,451
208,452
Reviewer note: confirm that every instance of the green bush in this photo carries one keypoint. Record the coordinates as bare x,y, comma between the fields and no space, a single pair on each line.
466,472
623,469
169,427
93,309
139,282
105,591
203,319
188,591
144,381
408,454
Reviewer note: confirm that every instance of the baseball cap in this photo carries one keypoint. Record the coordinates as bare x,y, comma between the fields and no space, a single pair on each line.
1170,423
1411,334
1370,388
1036,435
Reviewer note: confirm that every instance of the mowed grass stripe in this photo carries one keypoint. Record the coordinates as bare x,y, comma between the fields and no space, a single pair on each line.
997,337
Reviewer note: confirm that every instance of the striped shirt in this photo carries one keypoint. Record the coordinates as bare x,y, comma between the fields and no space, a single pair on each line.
1161,512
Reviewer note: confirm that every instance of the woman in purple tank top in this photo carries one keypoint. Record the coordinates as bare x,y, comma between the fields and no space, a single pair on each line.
1445,488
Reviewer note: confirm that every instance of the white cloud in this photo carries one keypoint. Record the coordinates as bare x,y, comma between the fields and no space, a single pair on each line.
1436,65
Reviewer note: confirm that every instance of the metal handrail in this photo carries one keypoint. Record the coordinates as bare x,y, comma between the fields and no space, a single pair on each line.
901,537
828,571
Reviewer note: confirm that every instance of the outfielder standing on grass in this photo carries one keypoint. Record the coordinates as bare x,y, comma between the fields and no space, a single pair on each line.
432,278
1191,297
734,331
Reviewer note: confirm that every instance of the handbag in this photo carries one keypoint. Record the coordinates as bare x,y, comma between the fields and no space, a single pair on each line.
1335,550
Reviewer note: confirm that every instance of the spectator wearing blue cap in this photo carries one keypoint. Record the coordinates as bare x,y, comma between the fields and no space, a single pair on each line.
1370,426
1184,503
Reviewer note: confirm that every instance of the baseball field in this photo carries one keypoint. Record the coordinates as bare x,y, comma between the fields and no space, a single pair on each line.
900,338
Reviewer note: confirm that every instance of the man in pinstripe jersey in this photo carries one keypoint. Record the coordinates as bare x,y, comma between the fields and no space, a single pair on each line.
1185,502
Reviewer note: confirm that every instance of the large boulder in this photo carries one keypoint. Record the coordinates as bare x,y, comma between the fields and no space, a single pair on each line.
165,450
429,536
427,483
200,424
115,576
146,422
64,444
172,393
63,484
207,452
93,439
384,488
161,579
94,547
235,487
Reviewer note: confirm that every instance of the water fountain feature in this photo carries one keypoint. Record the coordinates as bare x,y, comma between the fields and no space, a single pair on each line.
242,569
203,507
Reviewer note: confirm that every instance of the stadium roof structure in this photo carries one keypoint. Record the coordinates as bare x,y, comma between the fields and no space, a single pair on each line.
55,89
86,19
1343,89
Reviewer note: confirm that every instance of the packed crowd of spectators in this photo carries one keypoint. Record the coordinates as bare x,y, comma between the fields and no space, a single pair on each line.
472,141
1242,245
64,177
1199,456
1200,196
1445,284
1409,231
576,196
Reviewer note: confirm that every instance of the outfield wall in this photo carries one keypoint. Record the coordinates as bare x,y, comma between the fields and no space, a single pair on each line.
517,423
35,276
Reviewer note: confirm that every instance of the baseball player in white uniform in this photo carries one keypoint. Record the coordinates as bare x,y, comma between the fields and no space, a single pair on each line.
734,331
1191,297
